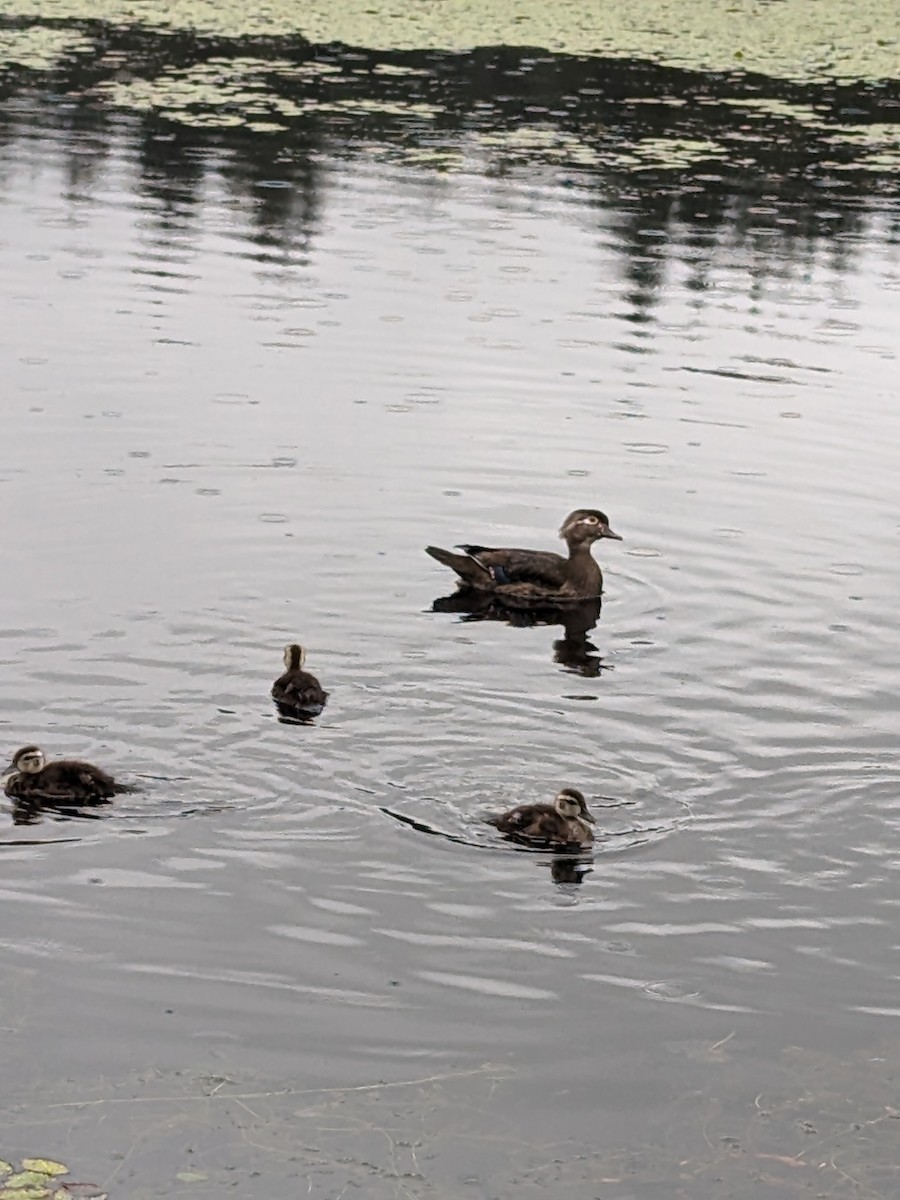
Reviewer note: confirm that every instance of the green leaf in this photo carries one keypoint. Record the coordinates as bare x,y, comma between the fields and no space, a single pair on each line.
23,1179
46,1166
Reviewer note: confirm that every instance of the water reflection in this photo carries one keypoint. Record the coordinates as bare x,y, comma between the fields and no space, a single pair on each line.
573,650
569,870
775,169
28,811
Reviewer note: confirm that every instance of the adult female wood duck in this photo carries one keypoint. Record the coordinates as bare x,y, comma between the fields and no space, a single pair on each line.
296,692
536,576
33,784
565,822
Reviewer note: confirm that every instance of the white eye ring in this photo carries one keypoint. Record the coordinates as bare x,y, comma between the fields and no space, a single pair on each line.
590,520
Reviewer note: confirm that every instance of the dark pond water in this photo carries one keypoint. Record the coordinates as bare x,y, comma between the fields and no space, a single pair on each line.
247,379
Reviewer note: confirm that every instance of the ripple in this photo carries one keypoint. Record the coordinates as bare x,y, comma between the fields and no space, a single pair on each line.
474,943
265,980
668,991
341,908
320,937
500,988
847,569
110,877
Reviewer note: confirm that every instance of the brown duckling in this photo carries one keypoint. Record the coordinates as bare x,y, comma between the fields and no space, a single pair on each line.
32,783
536,576
296,692
565,822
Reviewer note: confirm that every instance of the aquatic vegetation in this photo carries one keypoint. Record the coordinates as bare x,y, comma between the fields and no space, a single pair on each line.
217,93
652,87
668,153
40,48
779,40
41,1179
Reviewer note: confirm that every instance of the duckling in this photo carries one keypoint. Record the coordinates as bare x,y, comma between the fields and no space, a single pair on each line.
536,576
32,783
565,822
296,692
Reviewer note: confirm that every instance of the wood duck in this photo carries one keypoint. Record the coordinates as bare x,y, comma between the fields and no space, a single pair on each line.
34,784
565,822
296,692
536,576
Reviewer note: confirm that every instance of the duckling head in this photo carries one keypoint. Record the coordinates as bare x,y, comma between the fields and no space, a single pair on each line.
27,761
571,804
294,657
587,525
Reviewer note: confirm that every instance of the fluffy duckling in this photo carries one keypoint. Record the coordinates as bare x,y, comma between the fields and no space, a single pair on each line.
32,783
536,576
565,822
296,692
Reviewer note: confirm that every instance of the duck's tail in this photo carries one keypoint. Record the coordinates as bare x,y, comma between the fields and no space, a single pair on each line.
469,569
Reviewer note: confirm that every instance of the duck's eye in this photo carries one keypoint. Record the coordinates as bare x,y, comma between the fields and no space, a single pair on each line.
590,520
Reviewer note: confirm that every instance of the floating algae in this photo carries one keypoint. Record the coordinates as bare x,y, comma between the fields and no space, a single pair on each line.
845,40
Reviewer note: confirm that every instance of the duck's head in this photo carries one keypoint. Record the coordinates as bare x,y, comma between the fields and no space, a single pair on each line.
571,804
28,761
586,525
294,657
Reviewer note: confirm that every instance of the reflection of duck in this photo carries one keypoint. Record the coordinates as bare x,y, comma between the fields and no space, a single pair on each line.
33,784
536,576
565,822
573,650
297,693
570,868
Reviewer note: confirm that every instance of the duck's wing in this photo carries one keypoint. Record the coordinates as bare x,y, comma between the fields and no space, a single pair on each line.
540,567
52,794
522,819
103,784
14,786
549,828
76,782
299,689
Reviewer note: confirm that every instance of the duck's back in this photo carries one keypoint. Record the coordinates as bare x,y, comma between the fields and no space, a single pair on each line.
299,689
68,781
539,821
543,567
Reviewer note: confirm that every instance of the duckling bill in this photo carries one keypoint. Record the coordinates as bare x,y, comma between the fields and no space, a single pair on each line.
297,693
536,576
34,784
565,822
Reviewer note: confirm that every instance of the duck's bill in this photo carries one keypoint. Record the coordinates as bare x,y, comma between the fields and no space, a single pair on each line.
605,531
586,816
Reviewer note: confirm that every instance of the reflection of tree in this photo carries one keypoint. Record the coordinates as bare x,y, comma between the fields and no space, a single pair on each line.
171,174
671,155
